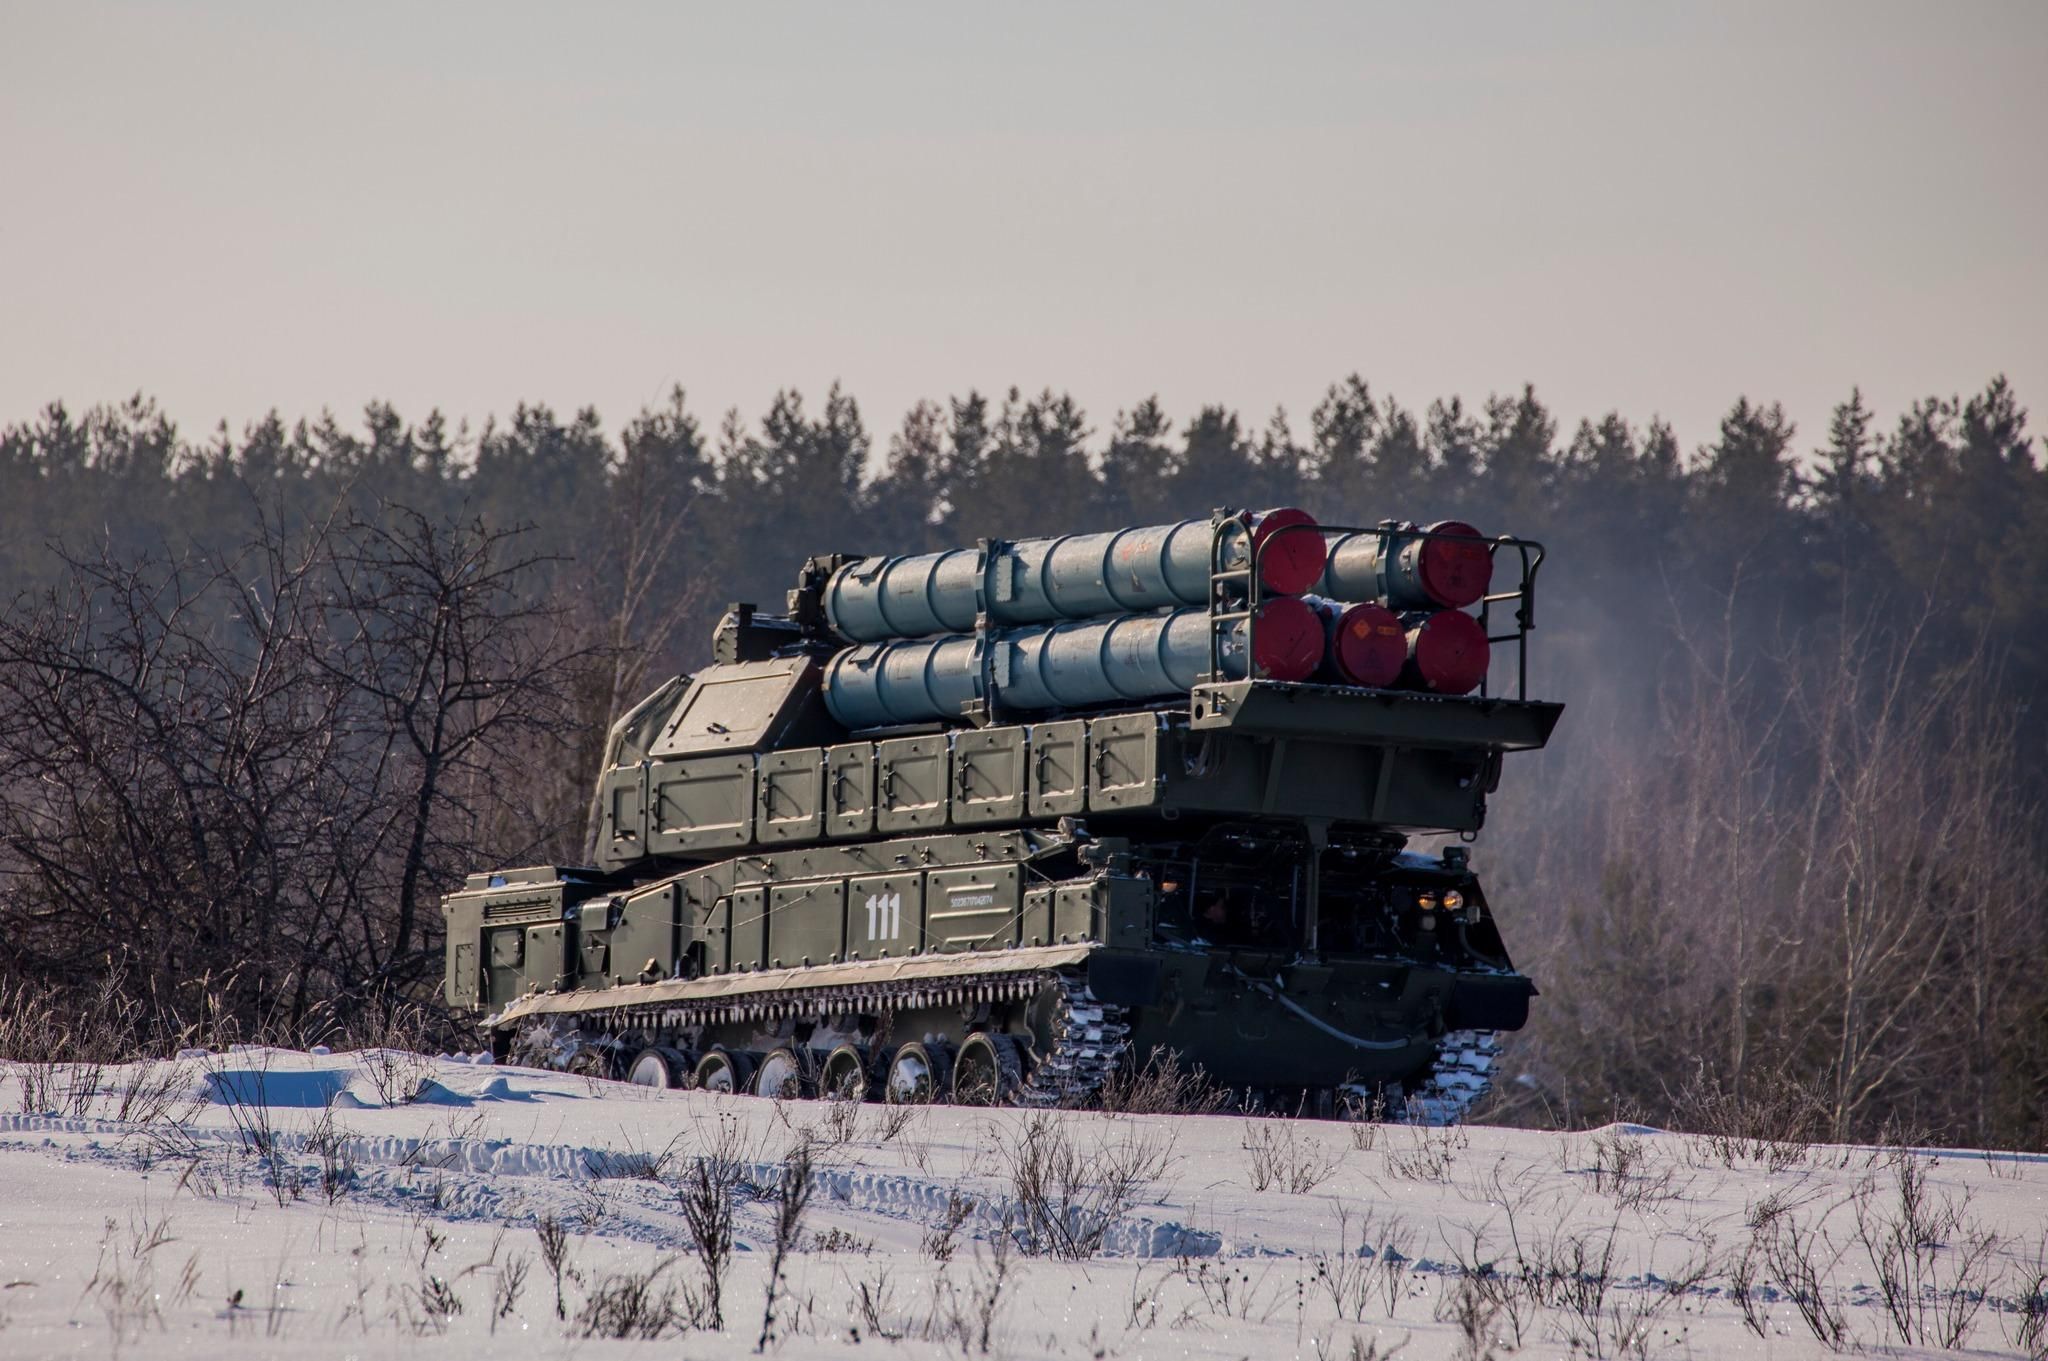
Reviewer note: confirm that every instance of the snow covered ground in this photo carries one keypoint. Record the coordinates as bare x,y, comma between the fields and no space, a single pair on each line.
270,1203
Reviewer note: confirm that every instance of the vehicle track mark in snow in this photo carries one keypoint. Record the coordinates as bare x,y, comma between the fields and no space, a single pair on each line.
892,1195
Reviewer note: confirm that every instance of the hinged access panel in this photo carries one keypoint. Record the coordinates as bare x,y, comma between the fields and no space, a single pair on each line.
989,776
805,922
850,789
1125,769
700,805
884,915
625,813
911,776
1059,768
976,908
790,804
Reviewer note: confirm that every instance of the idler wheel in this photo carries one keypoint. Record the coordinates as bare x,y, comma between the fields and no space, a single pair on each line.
785,1075
660,1066
988,1071
919,1074
725,1070
845,1075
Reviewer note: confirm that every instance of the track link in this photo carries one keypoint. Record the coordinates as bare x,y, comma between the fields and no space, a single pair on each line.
1089,1037
1464,1067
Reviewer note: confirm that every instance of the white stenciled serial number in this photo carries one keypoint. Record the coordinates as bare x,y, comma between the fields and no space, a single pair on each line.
885,916
974,900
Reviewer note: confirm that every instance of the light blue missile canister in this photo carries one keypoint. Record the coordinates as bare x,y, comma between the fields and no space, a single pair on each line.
1406,567
1072,665
1074,576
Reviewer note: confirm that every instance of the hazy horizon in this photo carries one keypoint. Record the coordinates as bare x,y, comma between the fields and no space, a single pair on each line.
239,208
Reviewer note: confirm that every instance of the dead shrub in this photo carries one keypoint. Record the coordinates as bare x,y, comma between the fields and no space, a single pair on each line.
437,1303
836,1239
336,1153
554,1254
895,1119
792,1198
1227,1289
1742,1283
125,1284
938,1240
2024,1316
1622,1168
630,1304
707,1193
1472,1310
1428,1156
59,1049
1162,1086
967,1318
1800,1257
508,1282
838,1123
1279,1156
1371,1263
241,1092
873,1306
1932,1262
1771,1122
630,1163
388,1038
1068,1198
152,1092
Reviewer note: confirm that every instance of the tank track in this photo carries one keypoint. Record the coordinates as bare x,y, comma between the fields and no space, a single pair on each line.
1464,1070
1089,1037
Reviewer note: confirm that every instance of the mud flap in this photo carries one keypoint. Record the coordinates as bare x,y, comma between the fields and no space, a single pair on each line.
1124,980
1489,1002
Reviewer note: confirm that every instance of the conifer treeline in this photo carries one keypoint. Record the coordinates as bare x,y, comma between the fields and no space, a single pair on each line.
1789,837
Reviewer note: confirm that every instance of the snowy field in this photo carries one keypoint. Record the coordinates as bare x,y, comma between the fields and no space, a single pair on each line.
269,1203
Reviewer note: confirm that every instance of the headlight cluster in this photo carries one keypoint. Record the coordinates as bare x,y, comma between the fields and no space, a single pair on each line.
1450,900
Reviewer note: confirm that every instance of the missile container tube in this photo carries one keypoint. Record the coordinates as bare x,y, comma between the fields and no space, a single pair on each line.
989,826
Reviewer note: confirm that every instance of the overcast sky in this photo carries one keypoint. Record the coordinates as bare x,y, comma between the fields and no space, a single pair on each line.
1653,208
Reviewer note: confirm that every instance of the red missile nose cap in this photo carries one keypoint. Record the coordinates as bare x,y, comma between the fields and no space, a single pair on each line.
1368,645
1451,653
1453,571
1295,560
1287,640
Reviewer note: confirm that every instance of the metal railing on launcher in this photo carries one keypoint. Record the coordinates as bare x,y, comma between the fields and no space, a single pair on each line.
1235,593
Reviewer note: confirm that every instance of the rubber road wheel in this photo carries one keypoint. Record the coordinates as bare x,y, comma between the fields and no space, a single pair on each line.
988,1071
919,1074
785,1075
845,1075
659,1066
725,1070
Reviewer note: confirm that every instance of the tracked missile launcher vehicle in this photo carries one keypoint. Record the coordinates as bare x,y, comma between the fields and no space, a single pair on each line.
984,825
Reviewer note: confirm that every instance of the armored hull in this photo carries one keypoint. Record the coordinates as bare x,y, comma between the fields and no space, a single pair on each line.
1006,903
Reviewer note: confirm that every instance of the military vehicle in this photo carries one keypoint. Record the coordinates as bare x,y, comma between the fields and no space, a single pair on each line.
984,825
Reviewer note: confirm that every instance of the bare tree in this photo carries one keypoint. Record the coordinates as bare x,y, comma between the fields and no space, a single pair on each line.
166,759
237,781
460,672
638,571
1809,895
